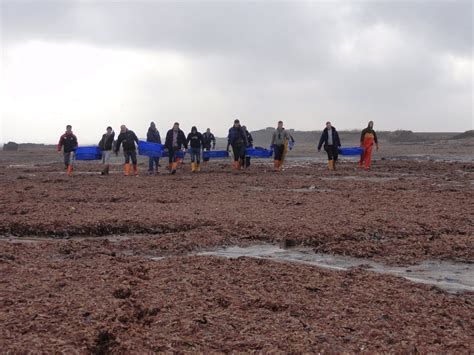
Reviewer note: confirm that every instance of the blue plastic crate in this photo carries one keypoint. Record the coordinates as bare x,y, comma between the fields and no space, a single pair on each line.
88,153
179,154
258,153
149,149
215,154
351,151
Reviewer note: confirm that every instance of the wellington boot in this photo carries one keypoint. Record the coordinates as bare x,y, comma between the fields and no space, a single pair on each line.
235,165
331,164
193,167
105,170
280,165
69,169
276,165
173,168
126,169
135,169
198,167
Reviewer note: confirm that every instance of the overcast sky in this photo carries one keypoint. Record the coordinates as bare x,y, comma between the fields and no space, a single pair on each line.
403,64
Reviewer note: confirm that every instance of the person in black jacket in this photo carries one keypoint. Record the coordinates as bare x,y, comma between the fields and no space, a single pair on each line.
68,142
175,141
209,140
106,145
238,140
249,145
330,139
196,142
127,139
153,136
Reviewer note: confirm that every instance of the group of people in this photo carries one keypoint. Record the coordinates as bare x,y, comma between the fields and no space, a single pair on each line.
239,139
331,143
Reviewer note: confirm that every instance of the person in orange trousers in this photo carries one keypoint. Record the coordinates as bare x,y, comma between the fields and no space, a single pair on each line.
368,138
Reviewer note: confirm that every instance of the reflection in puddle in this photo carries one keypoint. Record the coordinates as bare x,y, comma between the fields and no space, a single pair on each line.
452,277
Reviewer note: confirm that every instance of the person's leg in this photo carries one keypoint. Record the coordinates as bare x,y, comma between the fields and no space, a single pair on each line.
126,166
170,160
151,162
368,157
66,157
278,151
157,164
236,152
173,159
133,155
68,162
329,150
198,159
242,156
335,156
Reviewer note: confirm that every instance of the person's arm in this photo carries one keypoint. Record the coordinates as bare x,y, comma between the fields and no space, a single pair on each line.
250,139
244,136
362,134
338,141
119,142
291,138
201,138
321,140
102,142
273,139
159,137
376,140
135,138
183,137
61,142
76,143
213,140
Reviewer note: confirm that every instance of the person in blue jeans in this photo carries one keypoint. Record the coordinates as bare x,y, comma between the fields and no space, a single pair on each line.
196,141
153,136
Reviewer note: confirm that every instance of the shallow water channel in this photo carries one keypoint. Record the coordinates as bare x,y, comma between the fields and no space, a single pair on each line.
450,276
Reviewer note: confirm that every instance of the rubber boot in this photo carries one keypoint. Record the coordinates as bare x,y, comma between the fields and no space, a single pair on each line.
236,165
173,168
170,166
105,170
193,167
280,165
126,169
276,165
69,169
331,164
198,167
135,169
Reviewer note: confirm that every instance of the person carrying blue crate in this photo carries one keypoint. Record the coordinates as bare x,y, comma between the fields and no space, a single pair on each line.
106,145
332,143
68,143
209,141
196,142
153,136
237,139
175,141
249,145
280,139
127,139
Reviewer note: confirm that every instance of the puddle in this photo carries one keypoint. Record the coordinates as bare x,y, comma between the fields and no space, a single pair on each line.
452,277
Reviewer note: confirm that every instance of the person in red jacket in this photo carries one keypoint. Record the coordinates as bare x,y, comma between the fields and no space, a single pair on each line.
68,143
368,138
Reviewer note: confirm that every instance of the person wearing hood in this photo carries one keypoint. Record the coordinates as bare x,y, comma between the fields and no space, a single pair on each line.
332,143
175,141
68,143
249,145
106,145
279,143
209,140
127,139
368,138
196,142
153,136
237,139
